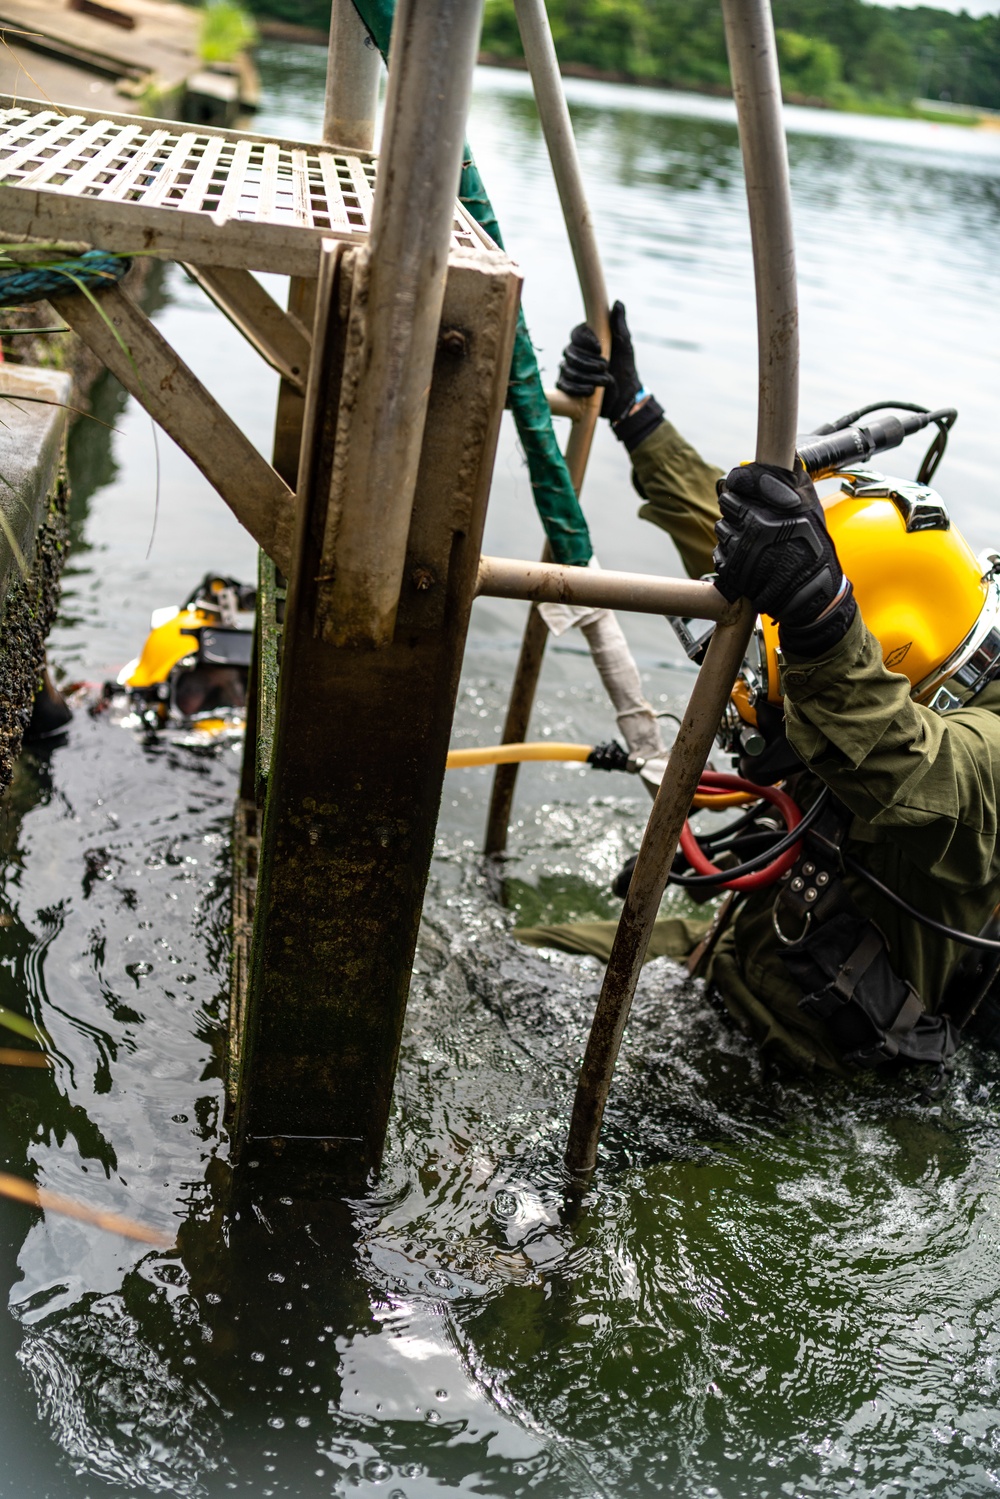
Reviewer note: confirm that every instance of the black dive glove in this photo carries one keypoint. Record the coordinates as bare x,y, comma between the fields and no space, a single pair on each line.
584,368
774,549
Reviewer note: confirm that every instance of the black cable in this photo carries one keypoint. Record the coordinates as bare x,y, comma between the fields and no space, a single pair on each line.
852,416
746,819
936,926
843,442
759,861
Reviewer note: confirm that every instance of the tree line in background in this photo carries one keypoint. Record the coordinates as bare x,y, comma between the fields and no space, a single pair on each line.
842,52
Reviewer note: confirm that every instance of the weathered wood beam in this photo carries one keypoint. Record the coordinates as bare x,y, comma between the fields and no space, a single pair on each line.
278,336
158,378
357,765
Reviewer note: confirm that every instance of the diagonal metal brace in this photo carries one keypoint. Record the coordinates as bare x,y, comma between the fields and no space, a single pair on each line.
277,335
160,381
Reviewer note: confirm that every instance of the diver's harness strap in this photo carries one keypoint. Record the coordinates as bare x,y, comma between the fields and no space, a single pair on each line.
840,959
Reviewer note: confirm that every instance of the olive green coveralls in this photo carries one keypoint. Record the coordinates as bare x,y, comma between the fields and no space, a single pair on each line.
923,789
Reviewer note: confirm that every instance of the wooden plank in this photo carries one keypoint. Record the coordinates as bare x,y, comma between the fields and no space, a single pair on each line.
278,337
161,382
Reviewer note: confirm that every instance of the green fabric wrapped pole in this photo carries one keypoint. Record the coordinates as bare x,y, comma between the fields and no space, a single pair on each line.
555,498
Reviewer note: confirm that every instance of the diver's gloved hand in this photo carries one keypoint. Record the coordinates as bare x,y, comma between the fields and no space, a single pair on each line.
774,549
584,369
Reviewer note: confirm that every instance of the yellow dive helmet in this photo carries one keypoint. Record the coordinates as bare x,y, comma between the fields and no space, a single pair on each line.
933,605
195,659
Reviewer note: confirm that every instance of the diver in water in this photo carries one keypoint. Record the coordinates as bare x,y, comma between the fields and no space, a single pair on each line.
193,668
877,704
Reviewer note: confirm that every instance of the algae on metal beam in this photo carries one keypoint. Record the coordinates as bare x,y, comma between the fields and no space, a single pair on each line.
555,497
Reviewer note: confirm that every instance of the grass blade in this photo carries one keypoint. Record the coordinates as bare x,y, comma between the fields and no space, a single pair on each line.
22,1027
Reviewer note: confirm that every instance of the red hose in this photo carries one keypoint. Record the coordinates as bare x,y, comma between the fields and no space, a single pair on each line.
713,780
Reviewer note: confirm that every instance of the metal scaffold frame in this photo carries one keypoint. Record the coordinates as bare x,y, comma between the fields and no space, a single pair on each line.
393,354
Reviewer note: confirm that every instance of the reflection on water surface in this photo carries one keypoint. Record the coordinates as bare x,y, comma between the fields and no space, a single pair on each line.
776,1287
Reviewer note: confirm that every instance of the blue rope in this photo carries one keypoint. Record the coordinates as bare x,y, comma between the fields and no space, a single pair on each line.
31,283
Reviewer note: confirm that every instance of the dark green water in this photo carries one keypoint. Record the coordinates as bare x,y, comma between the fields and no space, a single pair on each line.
775,1287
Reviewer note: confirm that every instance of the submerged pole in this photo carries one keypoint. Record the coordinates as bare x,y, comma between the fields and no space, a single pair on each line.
757,90
557,127
352,76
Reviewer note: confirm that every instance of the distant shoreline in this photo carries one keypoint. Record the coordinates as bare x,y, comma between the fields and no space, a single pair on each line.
966,116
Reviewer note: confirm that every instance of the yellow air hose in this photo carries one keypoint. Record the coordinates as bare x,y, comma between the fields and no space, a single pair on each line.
515,754
549,749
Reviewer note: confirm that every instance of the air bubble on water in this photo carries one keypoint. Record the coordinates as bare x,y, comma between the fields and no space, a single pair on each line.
376,1470
276,1421
258,1358
441,1394
277,1275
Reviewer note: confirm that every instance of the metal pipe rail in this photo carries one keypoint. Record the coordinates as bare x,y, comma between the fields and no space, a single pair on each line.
638,593
352,78
557,127
753,63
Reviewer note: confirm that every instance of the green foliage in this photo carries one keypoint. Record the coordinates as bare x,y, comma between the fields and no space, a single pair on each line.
312,13
847,52
842,51
809,65
226,31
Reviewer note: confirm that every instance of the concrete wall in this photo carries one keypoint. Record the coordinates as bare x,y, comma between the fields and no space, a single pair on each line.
33,528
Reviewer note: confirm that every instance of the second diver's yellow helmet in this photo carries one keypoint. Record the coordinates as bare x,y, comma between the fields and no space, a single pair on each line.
933,605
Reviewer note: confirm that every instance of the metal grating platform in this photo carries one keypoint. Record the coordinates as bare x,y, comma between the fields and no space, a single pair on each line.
219,197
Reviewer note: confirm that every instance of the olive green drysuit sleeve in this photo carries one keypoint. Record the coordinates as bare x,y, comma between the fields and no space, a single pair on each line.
924,789
678,490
